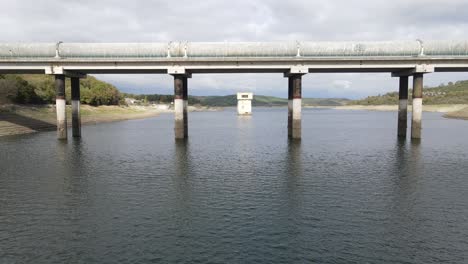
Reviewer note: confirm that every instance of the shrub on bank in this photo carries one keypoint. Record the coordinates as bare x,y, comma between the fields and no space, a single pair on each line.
14,89
40,89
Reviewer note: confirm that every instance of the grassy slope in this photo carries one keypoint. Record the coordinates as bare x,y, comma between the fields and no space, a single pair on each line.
452,93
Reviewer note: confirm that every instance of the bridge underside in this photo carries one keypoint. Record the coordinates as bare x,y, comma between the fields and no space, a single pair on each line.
238,65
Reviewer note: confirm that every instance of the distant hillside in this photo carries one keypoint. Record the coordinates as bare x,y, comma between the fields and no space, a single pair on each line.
451,93
262,100
40,89
324,101
231,100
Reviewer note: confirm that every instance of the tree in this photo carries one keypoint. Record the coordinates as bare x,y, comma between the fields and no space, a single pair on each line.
15,89
94,92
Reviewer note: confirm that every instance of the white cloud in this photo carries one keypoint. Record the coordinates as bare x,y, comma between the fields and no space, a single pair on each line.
343,84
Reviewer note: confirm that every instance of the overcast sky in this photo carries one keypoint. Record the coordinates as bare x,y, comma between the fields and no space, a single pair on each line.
239,20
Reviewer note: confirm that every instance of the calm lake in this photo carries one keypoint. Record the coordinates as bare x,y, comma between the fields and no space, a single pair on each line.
238,191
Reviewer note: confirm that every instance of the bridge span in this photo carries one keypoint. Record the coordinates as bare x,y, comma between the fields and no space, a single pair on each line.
402,59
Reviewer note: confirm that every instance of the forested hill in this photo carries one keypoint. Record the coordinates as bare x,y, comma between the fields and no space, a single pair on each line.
451,93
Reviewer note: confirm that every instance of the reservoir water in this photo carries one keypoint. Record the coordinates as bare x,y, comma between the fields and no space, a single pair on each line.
238,191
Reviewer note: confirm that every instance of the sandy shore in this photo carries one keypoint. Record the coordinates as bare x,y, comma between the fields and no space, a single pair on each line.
19,119
460,114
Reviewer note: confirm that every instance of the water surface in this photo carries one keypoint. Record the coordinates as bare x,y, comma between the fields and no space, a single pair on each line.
238,191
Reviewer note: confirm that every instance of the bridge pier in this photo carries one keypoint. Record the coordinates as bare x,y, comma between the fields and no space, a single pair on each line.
294,106
185,98
403,106
76,117
60,105
290,109
180,106
417,106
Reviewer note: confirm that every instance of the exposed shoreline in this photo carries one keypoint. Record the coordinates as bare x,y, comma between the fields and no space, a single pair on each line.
454,111
24,119
460,114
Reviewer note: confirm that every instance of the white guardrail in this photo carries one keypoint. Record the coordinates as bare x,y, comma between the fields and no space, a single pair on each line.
234,49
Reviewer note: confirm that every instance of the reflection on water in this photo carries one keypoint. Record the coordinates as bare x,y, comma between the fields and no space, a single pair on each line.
181,177
238,191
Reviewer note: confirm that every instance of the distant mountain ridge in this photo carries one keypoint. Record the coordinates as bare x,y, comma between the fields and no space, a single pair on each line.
231,100
262,100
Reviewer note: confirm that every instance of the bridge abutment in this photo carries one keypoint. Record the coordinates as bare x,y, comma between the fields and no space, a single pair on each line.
76,117
417,106
180,106
60,105
294,106
403,107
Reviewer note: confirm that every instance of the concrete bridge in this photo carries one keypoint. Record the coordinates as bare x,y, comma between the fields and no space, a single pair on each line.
402,59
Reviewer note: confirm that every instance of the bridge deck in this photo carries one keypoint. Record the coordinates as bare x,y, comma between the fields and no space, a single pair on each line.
234,57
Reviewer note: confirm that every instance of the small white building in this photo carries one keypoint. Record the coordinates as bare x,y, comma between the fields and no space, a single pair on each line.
132,101
244,103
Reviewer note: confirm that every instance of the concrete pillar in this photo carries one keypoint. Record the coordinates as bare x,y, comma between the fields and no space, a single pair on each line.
185,97
290,108
295,101
403,106
75,96
417,105
60,106
180,106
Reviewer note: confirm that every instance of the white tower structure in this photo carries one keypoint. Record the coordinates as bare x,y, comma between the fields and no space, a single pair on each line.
244,103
